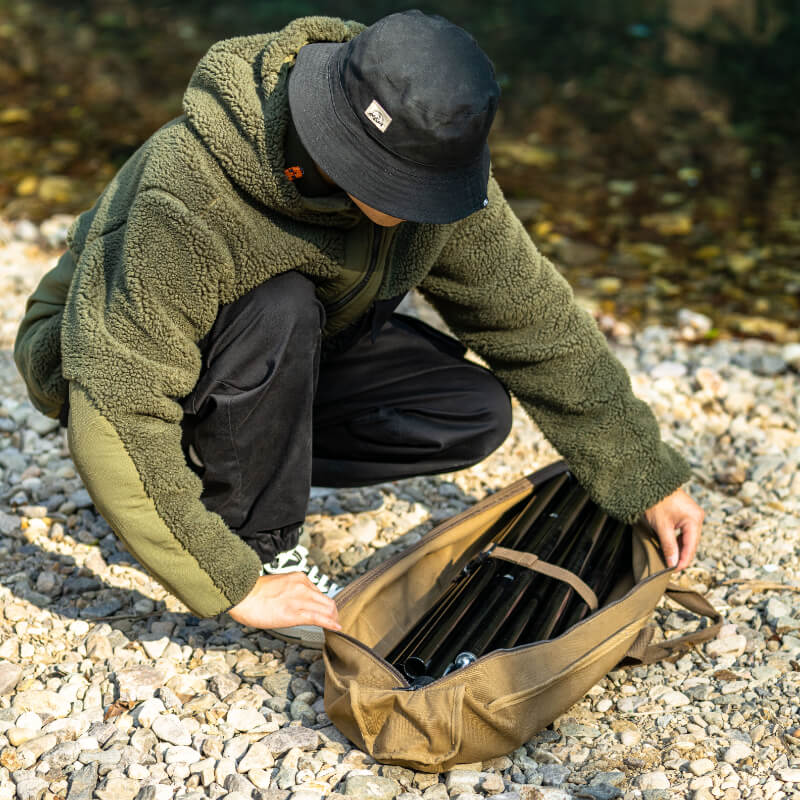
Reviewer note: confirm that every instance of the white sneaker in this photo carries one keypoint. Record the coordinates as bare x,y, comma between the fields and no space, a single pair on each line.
296,560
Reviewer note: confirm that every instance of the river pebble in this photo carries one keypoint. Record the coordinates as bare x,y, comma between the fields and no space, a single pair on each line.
157,704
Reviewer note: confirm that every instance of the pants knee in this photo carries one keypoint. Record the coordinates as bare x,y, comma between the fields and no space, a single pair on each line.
497,402
287,300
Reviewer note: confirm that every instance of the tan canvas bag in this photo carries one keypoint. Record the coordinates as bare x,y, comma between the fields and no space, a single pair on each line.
494,705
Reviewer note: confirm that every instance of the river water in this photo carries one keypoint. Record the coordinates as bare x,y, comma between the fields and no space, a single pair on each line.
649,147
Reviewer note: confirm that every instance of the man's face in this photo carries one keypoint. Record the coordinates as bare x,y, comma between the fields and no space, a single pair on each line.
378,217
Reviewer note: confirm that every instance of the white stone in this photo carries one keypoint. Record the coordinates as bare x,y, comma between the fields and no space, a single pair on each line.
738,751
29,720
729,645
630,737
789,775
776,609
364,531
148,711
180,754
169,728
791,355
700,766
42,701
138,772
244,719
652,780
673,698
155,647
668,369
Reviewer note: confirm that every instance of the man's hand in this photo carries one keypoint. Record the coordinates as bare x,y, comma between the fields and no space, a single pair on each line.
677,513
279,601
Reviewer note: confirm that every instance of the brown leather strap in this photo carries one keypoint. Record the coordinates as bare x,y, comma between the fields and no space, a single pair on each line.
646,653
532,561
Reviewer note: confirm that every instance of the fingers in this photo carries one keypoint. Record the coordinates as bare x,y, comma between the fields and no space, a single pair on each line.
317,608
669,546
676,515
690,536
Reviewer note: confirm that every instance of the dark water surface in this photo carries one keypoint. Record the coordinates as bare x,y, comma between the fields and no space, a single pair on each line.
650,147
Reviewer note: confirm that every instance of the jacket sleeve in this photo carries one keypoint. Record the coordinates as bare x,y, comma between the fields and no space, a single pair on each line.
37,349
143,294
507,302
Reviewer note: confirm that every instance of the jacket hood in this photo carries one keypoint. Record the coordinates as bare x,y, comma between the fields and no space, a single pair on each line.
237,103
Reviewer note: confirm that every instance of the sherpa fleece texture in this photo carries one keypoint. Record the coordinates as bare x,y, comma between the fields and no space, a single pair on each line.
201,214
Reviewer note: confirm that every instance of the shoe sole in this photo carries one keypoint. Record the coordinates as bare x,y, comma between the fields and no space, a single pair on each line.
307,639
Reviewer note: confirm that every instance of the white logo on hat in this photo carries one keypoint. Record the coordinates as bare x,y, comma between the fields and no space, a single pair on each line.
377,115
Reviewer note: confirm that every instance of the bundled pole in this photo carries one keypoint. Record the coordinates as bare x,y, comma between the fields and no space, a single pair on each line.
605,570
450,637
461,593
495,604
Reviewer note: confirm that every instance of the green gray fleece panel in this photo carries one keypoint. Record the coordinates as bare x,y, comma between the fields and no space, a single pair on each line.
201,214
115,485
508,303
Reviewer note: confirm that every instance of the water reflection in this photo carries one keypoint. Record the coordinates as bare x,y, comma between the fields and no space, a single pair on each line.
650,147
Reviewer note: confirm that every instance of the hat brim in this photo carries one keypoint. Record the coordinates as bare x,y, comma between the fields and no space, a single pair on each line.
336,140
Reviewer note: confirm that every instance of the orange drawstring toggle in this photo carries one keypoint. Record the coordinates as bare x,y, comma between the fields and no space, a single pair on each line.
293,173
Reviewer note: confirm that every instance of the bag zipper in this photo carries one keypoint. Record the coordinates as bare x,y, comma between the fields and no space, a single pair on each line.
379,233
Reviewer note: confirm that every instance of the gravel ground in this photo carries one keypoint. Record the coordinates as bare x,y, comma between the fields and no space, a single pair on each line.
110,689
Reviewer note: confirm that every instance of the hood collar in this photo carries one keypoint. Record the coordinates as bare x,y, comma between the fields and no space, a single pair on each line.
237,104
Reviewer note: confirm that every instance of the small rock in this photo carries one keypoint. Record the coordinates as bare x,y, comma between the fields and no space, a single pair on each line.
118,789
729,645
181,754
738,751
371,787
169,728
257,757
700,324
9,676
63,754
41,744
652,780
791,355
155,647
601,791
462,780
222,685
789,775
700,766
81,499
284,740
138,683
630,737
238,783
32,788
673,698
43,702
668,369
554,774
155,791
786,625
148,711
776,609
245,719
83,783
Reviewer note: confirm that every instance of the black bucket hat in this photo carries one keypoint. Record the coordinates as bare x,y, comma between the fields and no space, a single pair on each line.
399,116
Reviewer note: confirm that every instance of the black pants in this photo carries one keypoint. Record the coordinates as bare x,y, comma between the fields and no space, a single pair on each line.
270,415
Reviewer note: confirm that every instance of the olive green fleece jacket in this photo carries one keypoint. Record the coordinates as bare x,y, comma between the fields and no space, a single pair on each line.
201,214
